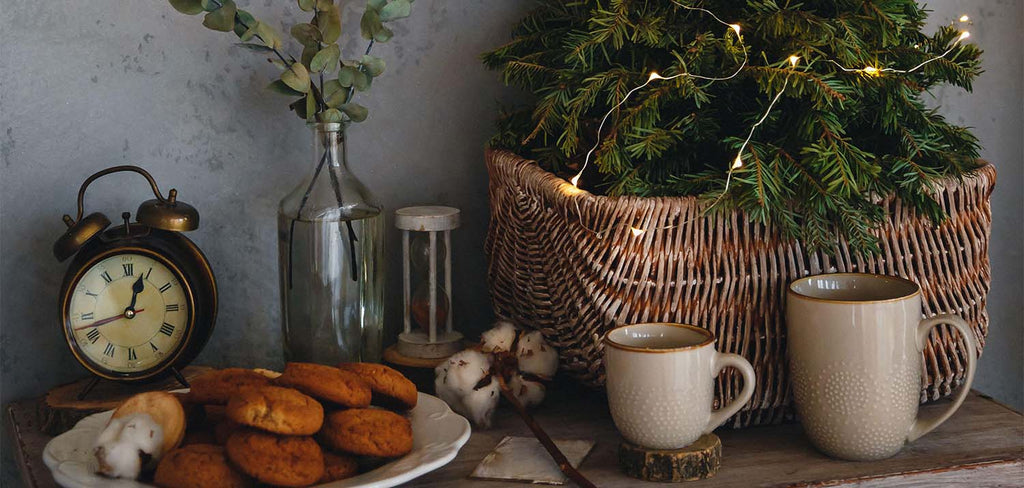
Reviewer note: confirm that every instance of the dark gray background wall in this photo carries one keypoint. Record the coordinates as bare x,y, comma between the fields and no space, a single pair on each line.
85,85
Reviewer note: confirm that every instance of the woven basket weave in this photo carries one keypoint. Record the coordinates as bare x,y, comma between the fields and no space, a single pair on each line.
551,270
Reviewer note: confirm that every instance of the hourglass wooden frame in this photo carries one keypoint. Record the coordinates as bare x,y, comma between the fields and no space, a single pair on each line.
433,343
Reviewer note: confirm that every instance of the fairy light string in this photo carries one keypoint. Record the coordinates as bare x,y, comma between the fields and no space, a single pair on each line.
737,163
873,71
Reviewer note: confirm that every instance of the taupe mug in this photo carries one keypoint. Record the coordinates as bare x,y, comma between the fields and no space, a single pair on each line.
661,383
855,343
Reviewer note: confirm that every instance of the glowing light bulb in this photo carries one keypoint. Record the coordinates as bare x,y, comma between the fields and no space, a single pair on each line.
793,60
964,18
655,76
575,180
637,232
871,71
738,163
963,36
735,27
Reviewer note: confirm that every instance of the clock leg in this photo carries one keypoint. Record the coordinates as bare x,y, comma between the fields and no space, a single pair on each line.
88,387
180,377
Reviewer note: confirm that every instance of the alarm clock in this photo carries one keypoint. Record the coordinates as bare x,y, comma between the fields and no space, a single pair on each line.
138,301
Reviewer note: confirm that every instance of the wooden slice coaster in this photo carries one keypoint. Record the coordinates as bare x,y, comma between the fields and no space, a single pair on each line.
61,409
697,461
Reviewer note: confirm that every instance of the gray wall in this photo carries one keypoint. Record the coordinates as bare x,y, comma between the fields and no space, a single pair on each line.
996,112
84,85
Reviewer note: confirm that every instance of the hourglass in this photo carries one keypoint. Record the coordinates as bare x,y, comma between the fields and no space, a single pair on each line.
426,255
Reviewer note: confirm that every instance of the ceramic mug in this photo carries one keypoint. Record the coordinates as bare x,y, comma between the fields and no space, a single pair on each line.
661,383
855,343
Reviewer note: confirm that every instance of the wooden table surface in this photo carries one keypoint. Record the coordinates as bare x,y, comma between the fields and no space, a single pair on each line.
981,445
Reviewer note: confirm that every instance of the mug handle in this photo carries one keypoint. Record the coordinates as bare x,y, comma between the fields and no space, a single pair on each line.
922,425
723,361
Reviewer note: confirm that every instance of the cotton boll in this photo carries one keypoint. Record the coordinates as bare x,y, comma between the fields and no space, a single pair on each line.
123,444
499,338
462,371
479,404
536,356
529,393
456,383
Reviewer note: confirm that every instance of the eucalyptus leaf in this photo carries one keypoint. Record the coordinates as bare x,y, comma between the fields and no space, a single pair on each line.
331,115
296,77
260,48
369,24
331,87
383,35
243,20
336,98
361,81
324,4
347,75
188,7
222,19
209,5
326,59
355,112
279,86
310,106
307,54
328,20
249,33
307,34
299,106
268,34
376,4
373,65
396,9
307,5
278,63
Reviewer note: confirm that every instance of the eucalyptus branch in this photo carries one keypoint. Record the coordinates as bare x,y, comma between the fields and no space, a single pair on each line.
240,20
318,102
352,89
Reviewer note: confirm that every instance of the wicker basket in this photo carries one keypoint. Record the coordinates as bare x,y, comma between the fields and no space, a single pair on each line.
548,269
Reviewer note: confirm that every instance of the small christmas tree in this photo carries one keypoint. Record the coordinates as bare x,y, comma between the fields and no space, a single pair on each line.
850,126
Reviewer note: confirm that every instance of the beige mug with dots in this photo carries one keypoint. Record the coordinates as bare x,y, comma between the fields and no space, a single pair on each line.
661,383
855,343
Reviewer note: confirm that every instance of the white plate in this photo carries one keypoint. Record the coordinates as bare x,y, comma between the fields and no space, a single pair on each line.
438,434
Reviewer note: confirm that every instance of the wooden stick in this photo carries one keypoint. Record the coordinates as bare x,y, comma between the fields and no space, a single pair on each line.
545,440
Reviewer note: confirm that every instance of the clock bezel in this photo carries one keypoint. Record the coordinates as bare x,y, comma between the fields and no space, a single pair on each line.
97,368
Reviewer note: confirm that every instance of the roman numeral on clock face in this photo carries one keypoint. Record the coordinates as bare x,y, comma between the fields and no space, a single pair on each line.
93,335
154,347
131,354
167,329
128,271
167,286
87,316
109,351
106,277
171,308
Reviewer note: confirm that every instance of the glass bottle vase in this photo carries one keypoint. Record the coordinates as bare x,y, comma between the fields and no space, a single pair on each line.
331,250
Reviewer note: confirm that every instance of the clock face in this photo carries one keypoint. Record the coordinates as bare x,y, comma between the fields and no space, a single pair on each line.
128,312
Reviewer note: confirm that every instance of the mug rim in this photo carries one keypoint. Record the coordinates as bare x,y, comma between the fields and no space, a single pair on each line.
709,338
791,290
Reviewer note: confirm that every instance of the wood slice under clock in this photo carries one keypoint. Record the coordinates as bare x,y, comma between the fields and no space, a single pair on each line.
697,461
61,409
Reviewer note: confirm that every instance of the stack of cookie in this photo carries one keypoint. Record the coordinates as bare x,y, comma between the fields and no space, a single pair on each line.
310,424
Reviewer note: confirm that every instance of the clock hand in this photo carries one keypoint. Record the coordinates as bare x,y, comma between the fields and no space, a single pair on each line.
137,288
107,320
